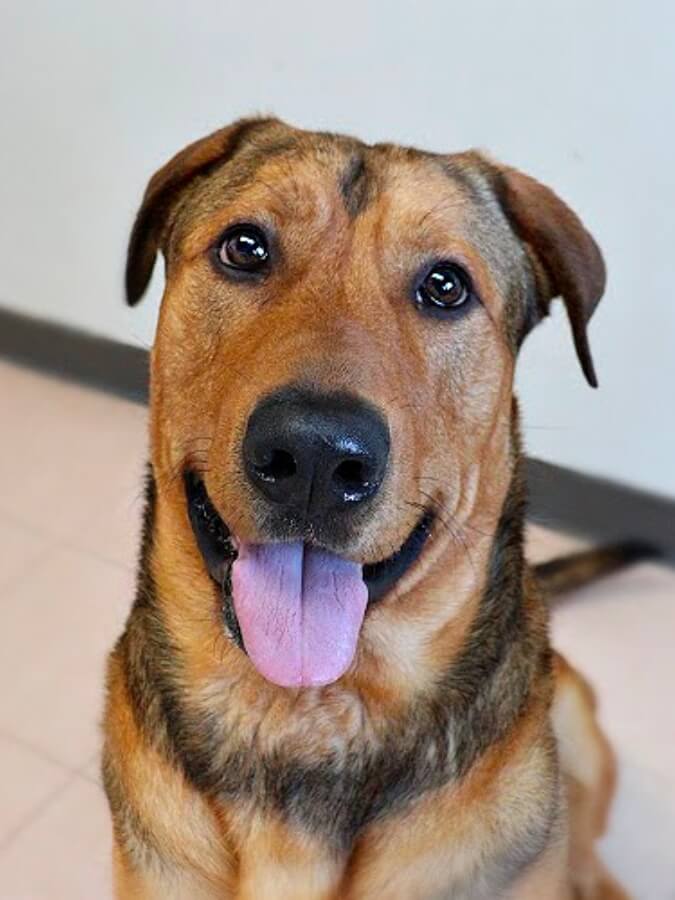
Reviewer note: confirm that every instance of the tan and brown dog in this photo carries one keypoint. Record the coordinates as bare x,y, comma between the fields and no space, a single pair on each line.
336,680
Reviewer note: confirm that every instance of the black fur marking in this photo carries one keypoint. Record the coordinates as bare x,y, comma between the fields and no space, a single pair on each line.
569,573
145,585
355,186
216,547
482,696
145,648
497,640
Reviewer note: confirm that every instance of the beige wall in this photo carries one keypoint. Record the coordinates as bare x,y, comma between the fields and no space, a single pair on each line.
94,96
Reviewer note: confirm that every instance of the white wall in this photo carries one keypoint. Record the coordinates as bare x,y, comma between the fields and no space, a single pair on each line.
94,96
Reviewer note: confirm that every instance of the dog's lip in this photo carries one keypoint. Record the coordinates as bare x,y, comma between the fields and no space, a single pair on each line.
219,546
381,577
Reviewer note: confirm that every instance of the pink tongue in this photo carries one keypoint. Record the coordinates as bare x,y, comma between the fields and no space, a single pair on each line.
300,611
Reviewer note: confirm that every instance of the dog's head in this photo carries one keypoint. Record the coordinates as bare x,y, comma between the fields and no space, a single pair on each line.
334,363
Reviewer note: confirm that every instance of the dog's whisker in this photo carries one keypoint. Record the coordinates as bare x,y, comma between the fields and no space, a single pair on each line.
455,529
468,525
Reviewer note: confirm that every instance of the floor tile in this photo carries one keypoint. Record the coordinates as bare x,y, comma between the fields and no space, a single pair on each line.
65,853
58,625
78,452
114,533
639,846
19,547
619,633
27,781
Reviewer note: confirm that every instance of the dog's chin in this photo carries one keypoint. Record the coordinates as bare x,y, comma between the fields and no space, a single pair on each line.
296,608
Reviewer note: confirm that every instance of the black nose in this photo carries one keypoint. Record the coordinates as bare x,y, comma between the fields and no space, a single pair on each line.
313,453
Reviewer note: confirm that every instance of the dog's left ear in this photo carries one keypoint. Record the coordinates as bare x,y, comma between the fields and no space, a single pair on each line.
566,259
164,190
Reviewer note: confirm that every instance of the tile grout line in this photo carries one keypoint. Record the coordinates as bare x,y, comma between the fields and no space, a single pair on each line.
41,754
82,771
11,517
31,817
71,775
50,548
68,544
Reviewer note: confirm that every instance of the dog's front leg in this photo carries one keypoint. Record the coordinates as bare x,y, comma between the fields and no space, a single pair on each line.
277,862
161,880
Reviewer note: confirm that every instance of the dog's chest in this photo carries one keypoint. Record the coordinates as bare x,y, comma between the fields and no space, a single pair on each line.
434,847
328,773
398,815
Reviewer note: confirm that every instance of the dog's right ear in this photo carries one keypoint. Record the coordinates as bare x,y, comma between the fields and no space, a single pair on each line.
569,263
163,191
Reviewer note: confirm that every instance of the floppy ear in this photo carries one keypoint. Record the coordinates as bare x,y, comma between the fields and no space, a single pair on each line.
163,191
567,261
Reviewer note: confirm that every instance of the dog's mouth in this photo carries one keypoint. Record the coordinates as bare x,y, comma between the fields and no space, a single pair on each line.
295,608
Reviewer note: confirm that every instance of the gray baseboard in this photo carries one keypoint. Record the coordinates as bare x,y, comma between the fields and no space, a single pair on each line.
599,509
75,355
559,497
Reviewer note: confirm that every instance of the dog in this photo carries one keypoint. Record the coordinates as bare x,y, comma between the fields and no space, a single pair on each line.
336,680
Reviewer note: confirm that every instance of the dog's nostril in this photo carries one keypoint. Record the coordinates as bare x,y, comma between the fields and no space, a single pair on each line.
351,476
278,465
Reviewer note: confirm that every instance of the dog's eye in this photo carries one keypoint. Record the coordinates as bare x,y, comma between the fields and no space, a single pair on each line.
445,286
243,247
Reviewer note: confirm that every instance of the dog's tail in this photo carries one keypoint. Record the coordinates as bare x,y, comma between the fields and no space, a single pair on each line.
567,573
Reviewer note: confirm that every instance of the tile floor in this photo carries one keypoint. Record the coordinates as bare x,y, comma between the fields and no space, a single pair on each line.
68,535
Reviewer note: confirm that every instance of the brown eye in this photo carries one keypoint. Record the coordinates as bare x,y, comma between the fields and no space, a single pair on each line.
445,286
244,247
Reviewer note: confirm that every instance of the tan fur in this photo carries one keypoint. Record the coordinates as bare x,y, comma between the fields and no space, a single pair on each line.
345,320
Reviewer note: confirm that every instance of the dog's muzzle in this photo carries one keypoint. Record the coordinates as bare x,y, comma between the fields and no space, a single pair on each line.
292,600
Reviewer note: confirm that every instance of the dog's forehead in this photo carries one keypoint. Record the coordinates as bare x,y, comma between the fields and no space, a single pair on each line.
301,175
